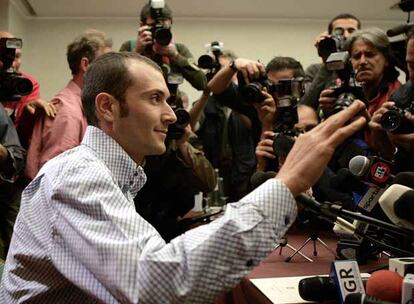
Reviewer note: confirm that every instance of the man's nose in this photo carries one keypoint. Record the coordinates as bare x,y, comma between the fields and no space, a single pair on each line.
169,116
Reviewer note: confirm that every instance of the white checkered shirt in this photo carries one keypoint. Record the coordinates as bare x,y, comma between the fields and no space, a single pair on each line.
78,238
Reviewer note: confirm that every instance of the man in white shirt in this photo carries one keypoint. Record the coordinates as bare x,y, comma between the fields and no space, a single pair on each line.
78,238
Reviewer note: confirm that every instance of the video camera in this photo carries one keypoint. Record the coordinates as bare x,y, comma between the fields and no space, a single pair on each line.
161,32
209,62
332,44
395,121
12,85
349,89
176,130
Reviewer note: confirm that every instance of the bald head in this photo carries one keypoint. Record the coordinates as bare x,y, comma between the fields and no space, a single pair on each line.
6,35
18,57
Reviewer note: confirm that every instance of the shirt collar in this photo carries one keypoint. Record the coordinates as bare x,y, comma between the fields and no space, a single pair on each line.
129,176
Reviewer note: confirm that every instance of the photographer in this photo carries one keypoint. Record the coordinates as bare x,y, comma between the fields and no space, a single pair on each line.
397,144
317,76
171,55
24,112
225,134
372,61
12,160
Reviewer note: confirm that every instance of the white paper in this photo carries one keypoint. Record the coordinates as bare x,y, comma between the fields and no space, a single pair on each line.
280,290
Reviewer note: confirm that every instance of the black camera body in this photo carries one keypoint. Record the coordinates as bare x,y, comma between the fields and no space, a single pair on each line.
395,121
12,85
332,44
349,90
176,130
161,33
211,63
287,93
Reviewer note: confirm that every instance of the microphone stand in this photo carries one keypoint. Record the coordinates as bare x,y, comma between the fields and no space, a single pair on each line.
284,243
332,211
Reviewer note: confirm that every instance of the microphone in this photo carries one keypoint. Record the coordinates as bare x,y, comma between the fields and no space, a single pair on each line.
360,298
399,29
385,285
317,289
260,177
397,202
346,182
347,278
405,179
374,170
321,288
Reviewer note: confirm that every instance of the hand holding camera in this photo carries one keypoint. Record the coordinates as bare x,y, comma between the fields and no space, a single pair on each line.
144,38
266,111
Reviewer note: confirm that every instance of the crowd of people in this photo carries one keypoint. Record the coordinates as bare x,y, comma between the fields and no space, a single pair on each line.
101,181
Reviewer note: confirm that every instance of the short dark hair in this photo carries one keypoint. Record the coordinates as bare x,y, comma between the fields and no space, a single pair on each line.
280,63
146,12
86,45
109,73
343,16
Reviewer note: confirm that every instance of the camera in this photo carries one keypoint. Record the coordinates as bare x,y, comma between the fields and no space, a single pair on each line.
161,32
12,85
209,62
176,130
286,93
349,89
395,121
332,44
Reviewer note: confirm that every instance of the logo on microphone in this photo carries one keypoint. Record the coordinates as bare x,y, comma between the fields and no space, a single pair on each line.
380,172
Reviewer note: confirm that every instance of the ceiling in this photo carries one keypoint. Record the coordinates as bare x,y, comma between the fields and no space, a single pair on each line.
239,9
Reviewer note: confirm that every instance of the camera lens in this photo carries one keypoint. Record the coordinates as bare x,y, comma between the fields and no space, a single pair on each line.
206,62
163,36
253,92
391,120
344,101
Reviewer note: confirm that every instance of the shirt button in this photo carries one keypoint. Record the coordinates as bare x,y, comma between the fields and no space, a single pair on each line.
136,174
250,263
131,183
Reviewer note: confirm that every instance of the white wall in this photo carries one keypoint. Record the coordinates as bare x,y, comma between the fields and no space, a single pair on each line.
17,24
46,40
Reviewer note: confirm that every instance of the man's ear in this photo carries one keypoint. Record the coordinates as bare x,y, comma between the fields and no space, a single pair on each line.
84,63
106,107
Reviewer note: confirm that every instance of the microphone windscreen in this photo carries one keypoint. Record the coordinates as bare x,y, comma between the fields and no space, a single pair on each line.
346,182
405,179
359,165
385,285
317,289
404,206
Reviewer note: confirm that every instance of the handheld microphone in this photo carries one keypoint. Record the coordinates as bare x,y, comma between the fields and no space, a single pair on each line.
405,179
374,171
345,181
347,277
408,289
317,289
385,285
399,29
360,298
323,288
397,202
